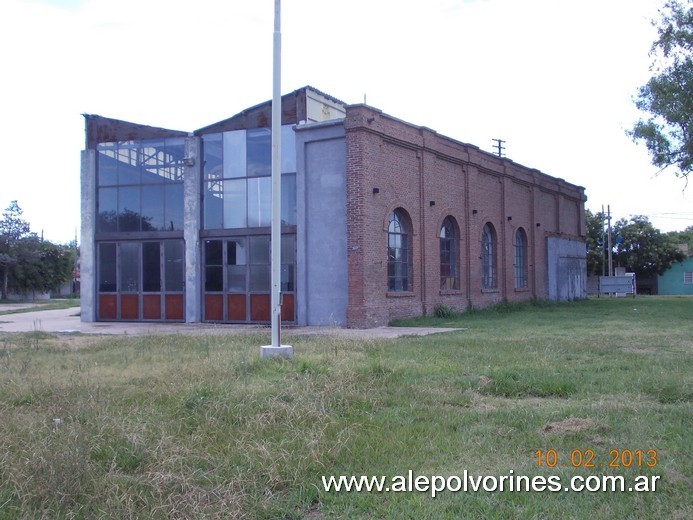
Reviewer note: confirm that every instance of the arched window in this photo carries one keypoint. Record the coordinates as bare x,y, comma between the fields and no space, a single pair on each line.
399,252
488,257
449,270
520,259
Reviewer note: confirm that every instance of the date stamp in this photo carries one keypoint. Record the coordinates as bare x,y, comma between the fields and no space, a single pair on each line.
588,459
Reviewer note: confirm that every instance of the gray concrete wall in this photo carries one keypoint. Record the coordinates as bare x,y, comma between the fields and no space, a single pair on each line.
191,230
87,246
321,256
566,268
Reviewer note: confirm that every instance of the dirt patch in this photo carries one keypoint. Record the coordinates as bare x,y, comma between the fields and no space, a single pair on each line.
572,425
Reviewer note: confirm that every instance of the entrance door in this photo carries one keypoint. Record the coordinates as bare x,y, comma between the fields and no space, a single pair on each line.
141,281
238,279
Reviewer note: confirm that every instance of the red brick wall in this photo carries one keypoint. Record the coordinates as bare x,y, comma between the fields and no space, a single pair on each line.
432,177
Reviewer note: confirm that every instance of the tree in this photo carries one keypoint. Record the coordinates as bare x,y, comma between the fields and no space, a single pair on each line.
667,97
15,233
683,237
643,249
595,242
49,267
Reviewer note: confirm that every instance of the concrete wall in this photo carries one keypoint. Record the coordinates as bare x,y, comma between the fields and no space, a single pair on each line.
321,292
87,245
191,230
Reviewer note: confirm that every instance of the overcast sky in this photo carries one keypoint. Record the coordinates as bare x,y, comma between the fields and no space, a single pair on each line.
554,78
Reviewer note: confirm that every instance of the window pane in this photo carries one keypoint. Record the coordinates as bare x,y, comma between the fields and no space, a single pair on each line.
259,250
129,267
288,200
260,202
234,204
175,155
234,154
173,219
213,252
108,209
212,156
287,278
107,267
106,164
236,278
153,160
129,209
152,208
174,258
259,152
288,149
288,249
128,163
235,252
151,267
214,279
259,278
214,205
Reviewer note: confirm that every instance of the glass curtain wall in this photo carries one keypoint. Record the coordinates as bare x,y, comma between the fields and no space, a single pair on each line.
139,230
237,211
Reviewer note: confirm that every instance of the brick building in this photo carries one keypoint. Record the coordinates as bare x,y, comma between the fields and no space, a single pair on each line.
381,219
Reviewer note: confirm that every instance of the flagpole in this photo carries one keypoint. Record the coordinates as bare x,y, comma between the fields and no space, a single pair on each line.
276,349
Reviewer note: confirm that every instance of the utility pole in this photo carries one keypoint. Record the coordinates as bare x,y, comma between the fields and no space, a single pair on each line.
611,262
276,349
499,147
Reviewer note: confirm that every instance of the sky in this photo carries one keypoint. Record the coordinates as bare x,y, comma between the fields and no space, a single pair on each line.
555,79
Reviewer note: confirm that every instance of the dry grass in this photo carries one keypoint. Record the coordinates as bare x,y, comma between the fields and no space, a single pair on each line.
201,427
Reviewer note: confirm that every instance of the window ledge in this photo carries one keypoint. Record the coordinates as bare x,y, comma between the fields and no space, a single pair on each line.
490,291
523,289
451,292
400,294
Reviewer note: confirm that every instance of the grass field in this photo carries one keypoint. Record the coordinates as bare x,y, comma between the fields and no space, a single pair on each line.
201,427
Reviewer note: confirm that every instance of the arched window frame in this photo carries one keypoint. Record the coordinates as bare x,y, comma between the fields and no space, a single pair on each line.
521,277
399,252
449,256
489,276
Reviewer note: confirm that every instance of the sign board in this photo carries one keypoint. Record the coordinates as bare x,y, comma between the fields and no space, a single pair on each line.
617,284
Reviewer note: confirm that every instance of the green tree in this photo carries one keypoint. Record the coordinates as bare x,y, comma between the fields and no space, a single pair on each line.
667,98
15,242
595,242
49,267
642,248
683,237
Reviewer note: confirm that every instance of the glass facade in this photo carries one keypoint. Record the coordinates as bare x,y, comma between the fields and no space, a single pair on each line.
140,218
140,186
237,188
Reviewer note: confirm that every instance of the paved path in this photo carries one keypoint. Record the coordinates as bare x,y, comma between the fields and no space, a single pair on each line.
68,321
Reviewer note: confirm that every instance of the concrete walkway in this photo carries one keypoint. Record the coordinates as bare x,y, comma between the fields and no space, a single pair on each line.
67,321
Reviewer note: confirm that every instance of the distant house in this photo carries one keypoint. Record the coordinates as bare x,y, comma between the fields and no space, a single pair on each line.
679,278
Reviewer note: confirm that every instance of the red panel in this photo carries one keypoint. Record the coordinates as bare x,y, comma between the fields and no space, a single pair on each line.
214,307
259,307
108,307
174,307
236,305
151,307
288,307
129,307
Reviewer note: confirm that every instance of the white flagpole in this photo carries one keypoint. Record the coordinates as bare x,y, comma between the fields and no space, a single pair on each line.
276,348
